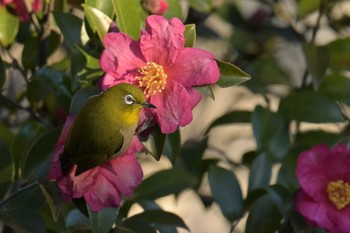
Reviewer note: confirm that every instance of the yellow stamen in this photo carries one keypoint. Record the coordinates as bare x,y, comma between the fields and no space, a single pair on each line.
152,78
339,193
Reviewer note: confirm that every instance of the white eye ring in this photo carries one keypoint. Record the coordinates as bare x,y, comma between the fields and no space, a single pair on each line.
129,99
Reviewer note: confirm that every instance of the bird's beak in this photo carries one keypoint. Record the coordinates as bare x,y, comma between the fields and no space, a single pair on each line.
148,105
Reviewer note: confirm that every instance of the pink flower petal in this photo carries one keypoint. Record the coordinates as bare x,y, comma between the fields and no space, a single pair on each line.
163,40
122,55
174,106
194,67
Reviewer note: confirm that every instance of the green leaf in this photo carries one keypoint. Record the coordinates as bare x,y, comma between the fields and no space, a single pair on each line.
154,143
264,216
27,134
317,59
230,75
160,218
81,97
77,221
163,183
128,16
204,6
2,73
103,220
286,175
29,197
23,220
6,169
260,173
134,226
53,197
336,87
174,10
8,27
104,6
98,21
230,201
70,26
309,106
230,118
306,7
190,35
339,51
36,162
172,146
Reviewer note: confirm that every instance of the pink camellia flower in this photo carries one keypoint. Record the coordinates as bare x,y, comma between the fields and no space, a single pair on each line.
22,9
155,7
101,186
160,65
324,195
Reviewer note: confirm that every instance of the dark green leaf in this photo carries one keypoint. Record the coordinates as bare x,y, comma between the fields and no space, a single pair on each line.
27,134
6,134
70,26
206,90
29,197
230,118
286,175
104,6
53,197
339,51
279,195
128,16
161,218
264,216
154,143
6,169
103,220
30,55
306,7
2,74
77,221
226,192
23,220
260,173
172,146
98,21
190,35
317,59
230,75
309,106
37,160
81,97
134,226
310,138
8,27
163,183
336,87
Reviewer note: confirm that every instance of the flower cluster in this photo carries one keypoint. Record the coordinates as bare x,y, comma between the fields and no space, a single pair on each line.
324,196
22,9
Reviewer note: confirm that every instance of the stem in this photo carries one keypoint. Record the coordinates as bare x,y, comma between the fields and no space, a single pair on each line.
13,195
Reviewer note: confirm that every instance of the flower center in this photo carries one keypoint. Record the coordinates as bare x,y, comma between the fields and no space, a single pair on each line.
339,193
152,78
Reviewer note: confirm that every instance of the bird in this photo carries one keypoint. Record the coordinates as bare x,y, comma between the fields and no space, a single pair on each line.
104,128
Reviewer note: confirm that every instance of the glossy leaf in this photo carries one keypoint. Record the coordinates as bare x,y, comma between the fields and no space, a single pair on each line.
98,21
6,169
190,35
226,192
75,220
309,106
230,75
103,220
81,97
23,220
128,16
154,143
104,6
134,226
336,87
70,27
8,27
163,183
260,173
160,217
36,162
172,146
53,197
2,74
231,118
317,59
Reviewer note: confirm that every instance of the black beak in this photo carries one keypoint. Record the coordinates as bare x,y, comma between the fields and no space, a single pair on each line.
148,105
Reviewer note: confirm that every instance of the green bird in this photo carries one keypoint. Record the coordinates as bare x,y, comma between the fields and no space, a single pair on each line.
104,128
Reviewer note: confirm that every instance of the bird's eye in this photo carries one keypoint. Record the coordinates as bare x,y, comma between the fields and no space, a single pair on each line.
129,99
